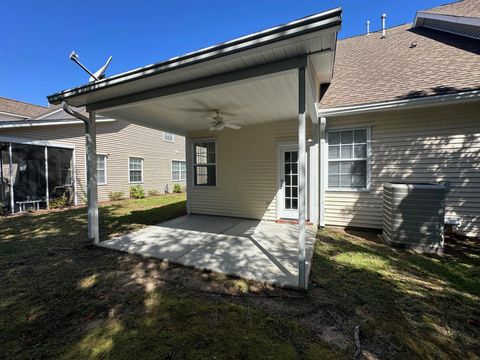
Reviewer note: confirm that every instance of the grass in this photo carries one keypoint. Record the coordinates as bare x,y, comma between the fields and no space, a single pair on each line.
410,305
62,299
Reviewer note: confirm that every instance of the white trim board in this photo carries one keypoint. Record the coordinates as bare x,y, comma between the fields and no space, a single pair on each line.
25,141
32,123
460,97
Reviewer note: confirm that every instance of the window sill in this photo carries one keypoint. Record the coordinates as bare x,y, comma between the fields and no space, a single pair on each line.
346,190
179,180
135,182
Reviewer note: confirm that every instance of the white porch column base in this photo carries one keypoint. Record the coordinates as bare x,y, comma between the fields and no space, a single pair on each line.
92,196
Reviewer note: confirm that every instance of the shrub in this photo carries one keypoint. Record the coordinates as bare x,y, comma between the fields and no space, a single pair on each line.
177,188
116,195
3,209
154,193
137,192
59,202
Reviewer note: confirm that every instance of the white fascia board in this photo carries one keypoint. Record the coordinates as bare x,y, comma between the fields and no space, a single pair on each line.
14,115
465,20
48,114
27,123
402,104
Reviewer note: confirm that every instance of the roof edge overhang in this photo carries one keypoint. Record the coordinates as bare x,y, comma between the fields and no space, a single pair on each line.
446,99
459,25
57,122
310,24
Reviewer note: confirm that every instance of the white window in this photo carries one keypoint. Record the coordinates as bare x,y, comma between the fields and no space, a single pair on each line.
348,152
179,170
135,169
168,137
102,169
205,163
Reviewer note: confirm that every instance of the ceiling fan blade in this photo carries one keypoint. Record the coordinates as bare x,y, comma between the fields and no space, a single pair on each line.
233,126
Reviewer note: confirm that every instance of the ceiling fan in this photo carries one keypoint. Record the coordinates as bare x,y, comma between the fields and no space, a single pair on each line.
218,123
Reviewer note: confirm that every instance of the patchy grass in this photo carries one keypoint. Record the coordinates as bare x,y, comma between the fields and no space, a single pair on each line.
62,299
410,305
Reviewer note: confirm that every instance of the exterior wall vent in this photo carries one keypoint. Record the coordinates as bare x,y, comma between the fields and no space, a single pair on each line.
414,216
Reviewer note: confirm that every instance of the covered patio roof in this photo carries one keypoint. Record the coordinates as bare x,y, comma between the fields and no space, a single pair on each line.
272,75
255,74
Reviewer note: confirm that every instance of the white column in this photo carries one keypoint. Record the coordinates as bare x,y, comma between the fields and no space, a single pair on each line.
302,203
323,169
314,180
47,192
10,159
74,177
92,196
188,165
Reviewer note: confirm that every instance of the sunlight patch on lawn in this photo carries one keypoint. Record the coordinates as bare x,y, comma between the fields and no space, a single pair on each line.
87,282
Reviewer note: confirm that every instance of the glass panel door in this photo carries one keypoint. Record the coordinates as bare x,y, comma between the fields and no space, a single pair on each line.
289,184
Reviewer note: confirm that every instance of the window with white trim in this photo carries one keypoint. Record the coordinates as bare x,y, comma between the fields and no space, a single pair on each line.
135,169
179,170
205,163
101,169
348,159
168,137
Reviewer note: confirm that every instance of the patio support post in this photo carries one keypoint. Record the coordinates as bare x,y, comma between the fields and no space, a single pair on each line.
323,169
189,172
92,197
74,177
47,194
10,160
302,203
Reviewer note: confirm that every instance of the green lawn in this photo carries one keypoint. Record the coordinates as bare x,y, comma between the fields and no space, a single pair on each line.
62,299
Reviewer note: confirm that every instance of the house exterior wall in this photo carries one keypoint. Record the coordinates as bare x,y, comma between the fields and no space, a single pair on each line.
246,170
118,140
431,144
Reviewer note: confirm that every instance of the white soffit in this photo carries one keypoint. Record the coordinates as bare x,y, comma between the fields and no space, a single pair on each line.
269,98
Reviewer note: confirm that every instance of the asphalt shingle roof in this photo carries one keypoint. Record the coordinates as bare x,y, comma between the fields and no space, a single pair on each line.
20,108
408,63
466,8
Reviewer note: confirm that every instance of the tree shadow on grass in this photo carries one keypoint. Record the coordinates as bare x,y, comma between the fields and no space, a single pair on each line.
420,305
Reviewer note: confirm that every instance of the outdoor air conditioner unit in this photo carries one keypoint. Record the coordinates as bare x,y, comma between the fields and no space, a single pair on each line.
414,216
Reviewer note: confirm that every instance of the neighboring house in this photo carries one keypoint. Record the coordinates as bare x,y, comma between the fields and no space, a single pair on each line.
127,155
313,127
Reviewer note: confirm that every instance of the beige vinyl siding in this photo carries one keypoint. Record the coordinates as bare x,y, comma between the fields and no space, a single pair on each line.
424,145
118,140
246,170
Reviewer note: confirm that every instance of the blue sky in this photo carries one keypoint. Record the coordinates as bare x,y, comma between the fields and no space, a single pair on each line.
37,36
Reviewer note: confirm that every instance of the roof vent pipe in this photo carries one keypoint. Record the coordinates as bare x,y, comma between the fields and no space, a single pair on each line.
383,17
368,27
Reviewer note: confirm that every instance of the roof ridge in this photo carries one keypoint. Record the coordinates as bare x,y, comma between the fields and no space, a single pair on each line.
23,102
376,31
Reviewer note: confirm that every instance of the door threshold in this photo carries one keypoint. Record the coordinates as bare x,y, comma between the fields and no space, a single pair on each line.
291,221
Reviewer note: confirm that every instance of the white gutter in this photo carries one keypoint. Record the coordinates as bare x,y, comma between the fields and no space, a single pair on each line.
460,97
32,123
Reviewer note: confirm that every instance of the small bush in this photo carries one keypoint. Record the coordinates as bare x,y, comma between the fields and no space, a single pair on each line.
137,192
154,193
3,209
116,195
177,188
59,202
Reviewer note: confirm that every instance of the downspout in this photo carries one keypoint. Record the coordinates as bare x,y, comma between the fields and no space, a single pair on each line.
91,152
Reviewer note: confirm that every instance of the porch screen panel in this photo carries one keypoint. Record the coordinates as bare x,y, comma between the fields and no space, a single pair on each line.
204,163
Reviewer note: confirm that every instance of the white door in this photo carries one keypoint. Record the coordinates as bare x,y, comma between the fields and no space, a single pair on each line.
288,192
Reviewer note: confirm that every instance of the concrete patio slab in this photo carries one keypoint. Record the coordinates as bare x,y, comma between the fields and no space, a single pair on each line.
257,250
